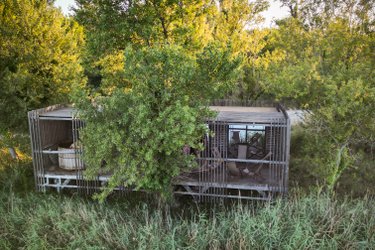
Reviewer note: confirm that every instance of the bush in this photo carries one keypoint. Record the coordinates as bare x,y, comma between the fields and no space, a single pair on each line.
16,175
137,132
311,164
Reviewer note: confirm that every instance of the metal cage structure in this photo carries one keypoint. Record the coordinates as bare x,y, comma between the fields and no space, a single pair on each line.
50,128
245,156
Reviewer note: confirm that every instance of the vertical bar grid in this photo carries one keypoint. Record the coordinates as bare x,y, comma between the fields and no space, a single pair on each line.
212,176
39,155
287,153
277,155
32,117
272,159
76,161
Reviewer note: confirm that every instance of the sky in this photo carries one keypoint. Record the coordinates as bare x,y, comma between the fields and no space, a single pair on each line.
275,11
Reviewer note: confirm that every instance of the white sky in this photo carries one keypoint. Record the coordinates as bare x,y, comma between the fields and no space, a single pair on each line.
275,11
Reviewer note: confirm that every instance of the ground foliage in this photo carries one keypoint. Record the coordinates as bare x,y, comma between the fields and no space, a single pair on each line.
313,221
50,221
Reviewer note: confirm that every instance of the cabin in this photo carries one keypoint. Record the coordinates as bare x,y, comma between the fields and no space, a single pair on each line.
245,156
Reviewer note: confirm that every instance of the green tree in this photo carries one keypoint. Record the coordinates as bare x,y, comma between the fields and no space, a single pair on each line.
319,13
137,133
193,25
329,71
39,59
111,26
235,23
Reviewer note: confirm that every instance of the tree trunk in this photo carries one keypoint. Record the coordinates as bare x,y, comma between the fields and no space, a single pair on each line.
13,153
340,165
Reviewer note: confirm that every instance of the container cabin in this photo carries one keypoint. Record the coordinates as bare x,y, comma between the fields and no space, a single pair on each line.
245,156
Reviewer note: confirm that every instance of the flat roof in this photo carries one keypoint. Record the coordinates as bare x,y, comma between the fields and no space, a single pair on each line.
238,109
247,114
66,112
225,113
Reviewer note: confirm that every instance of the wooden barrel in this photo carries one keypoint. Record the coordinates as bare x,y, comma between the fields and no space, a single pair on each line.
68,159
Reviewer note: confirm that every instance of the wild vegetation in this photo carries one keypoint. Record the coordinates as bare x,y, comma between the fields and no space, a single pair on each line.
319,59
126,63
157,98
39,59
313,221
50,221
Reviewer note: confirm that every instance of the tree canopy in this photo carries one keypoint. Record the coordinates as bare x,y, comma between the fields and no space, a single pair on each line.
148,122
329,70
39,59
113,25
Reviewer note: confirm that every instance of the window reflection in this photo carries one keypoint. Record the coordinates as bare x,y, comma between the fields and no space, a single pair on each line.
246,141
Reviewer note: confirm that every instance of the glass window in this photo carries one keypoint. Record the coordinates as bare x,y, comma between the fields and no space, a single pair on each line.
252,136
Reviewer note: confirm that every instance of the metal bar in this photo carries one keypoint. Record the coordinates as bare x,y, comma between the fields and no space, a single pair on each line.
281,108
285,157
39,156
244,160
57,186
279,156
54,118
225,196
31,118
287,149
275,148
76,161
273,129
68,151
72,177
215,146
264,124
224,173
36,152
255,187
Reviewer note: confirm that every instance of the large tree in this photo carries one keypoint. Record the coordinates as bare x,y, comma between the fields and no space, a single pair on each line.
113,25
328,70
39,59
318,13
137,132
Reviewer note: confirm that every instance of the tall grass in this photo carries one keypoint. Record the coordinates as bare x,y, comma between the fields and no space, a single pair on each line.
30,220
37,221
